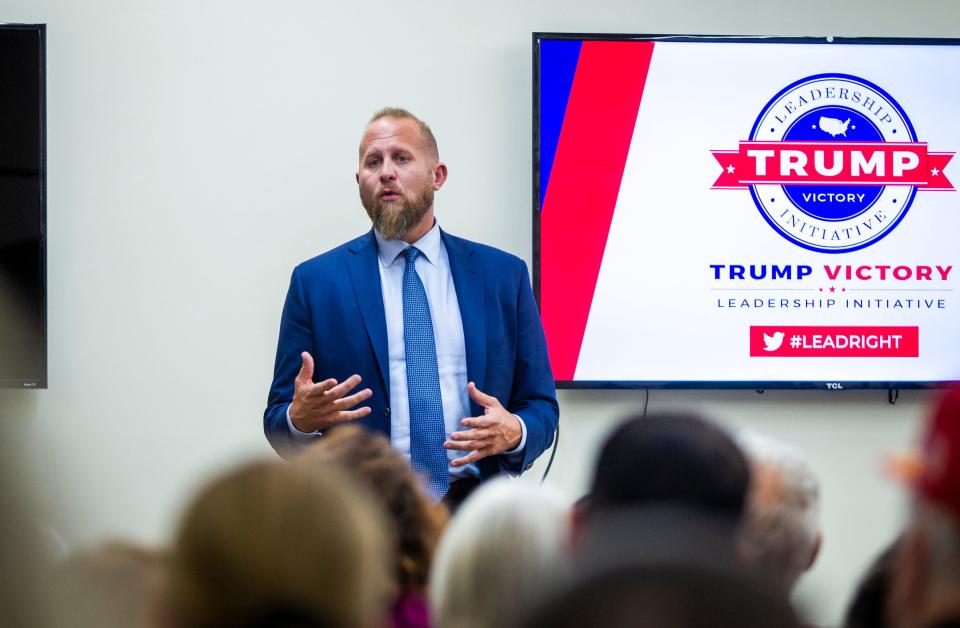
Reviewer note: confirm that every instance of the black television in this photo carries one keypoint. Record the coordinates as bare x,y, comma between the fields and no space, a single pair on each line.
23,289
747,212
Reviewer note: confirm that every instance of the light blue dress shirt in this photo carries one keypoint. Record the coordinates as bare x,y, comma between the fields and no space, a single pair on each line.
433,266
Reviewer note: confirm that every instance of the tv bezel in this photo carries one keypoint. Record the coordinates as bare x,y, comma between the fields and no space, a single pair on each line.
833,385
42,382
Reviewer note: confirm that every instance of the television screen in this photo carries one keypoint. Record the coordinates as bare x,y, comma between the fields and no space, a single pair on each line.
747,212
23,307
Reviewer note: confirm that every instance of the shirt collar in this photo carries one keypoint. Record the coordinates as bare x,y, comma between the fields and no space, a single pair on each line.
429,245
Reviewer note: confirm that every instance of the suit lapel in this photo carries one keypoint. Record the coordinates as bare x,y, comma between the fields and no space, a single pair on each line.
468,282
365,277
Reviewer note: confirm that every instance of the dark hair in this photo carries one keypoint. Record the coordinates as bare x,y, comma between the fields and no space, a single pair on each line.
288,617
868,607
665,458
657,595
417,521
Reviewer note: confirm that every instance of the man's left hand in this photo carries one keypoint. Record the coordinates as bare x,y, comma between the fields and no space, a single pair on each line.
495,432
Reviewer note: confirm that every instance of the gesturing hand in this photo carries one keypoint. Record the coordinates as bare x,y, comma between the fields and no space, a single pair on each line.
495,432
322,405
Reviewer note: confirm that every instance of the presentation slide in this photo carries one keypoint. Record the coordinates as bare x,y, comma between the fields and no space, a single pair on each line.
748,213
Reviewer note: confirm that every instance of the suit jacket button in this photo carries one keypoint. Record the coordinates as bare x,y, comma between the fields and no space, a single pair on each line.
386,411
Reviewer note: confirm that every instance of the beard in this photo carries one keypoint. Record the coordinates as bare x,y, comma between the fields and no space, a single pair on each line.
394,218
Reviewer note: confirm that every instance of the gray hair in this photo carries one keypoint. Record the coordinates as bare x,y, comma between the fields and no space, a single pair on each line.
781,530
499,556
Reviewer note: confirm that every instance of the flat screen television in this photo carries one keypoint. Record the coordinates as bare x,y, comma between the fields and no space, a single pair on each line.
23,290
747,212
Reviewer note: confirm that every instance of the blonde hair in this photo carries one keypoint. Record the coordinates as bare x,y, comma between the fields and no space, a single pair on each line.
402,114
268,540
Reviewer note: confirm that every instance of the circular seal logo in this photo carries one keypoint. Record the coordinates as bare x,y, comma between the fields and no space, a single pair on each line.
833,163
826,118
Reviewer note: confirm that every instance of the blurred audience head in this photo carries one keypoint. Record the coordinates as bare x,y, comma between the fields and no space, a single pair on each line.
268,545
499,556
869,603
663,596
115,584
417,520
925,585
670,458
781,529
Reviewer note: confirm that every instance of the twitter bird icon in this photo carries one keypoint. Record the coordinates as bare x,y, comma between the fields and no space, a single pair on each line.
773,342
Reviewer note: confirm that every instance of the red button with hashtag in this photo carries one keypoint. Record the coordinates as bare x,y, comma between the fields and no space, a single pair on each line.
834,342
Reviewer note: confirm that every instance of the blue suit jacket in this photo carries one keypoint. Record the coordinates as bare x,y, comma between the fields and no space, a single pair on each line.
334,310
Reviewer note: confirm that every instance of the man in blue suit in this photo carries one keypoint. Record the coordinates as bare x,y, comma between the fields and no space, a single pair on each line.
443,332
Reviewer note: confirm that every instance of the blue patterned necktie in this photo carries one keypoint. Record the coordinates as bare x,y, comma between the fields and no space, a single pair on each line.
423,383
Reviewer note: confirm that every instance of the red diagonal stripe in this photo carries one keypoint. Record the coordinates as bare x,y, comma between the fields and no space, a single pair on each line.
584,184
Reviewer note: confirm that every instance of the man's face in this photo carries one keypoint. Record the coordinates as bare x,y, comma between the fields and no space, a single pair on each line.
398,175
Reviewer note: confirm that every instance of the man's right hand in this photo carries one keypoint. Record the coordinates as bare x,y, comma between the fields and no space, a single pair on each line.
322,405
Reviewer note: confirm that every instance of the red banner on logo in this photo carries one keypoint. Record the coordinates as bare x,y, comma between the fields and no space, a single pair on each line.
834,342
833,163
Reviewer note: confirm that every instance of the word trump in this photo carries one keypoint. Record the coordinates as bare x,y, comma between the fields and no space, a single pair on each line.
759,271
843,161
834,163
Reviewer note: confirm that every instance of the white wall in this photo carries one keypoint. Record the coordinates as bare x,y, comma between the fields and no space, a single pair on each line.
199,149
